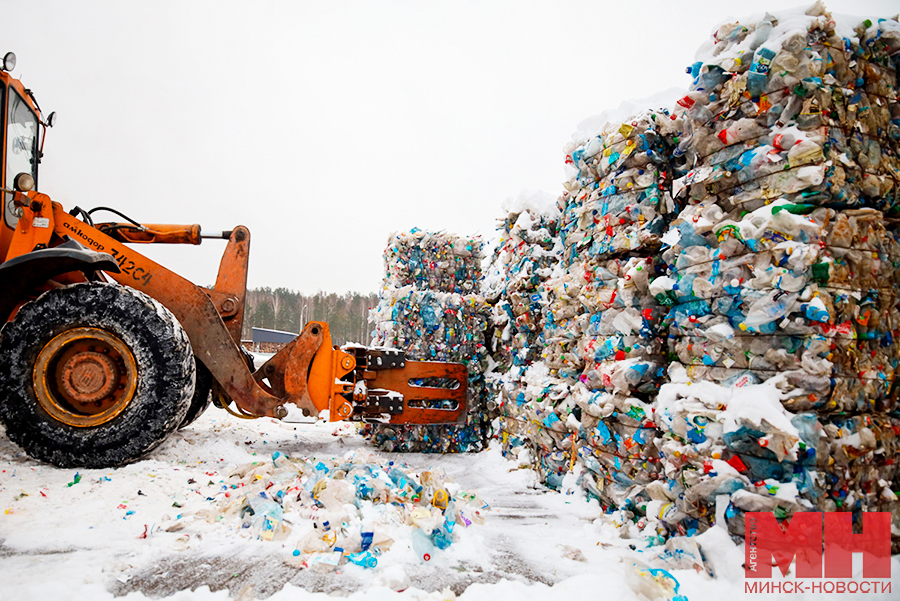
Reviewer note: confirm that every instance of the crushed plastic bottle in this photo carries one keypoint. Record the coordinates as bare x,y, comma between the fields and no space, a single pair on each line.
267,516
654,584
363,558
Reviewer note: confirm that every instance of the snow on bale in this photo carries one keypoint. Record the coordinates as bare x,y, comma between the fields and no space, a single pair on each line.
430,307
718,336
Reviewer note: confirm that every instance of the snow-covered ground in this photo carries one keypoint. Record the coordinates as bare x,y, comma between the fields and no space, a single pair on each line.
98,534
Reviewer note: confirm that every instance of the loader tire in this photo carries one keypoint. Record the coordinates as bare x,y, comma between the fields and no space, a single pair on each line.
94,375
202,397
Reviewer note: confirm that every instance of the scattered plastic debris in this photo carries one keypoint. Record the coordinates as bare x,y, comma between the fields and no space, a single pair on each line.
653,584
347,507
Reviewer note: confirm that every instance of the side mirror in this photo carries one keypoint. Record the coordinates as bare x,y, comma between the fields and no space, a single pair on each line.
51,119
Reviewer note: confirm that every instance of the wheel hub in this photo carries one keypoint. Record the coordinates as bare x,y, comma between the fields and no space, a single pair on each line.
88,377
85,377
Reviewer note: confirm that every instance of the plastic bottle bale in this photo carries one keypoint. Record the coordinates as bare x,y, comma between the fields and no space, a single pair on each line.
514,405
512,435
725,440
434,326
563,320
856,467
785,294
522,261
429,307
531,407
616,200
621,427
730,280
436,261
622,341
807,91
543,417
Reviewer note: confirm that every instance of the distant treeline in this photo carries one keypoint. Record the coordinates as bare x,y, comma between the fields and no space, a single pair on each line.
282,309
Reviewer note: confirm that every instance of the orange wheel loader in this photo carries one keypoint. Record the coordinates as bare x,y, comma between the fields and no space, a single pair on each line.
104,353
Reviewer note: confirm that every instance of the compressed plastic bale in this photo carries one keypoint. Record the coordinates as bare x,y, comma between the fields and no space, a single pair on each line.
857,465
563,325
534,410
430,308
615,428
436,261
788,292
616,201
622,338
524,258
433,326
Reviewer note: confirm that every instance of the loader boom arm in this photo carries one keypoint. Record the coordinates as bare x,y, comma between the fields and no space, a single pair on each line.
210,338
356,383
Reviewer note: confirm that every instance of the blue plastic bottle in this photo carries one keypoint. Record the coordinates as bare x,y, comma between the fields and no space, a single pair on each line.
422,545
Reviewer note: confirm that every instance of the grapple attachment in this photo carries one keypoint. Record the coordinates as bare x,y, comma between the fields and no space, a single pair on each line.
410,392
364,384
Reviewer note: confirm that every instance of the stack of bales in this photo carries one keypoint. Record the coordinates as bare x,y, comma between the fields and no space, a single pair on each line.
743,256
430,307
603,343
526,256
602,326
782,267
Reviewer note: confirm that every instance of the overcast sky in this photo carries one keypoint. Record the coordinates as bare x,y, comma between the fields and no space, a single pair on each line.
324,126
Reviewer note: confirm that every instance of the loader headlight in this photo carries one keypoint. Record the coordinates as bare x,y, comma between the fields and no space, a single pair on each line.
9,61
24,182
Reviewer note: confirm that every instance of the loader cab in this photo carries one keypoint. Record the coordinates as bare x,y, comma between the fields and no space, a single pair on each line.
19,142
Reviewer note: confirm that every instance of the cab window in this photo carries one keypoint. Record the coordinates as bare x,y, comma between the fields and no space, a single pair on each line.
21,148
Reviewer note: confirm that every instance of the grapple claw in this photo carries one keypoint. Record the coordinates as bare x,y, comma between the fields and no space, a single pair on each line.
432,392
